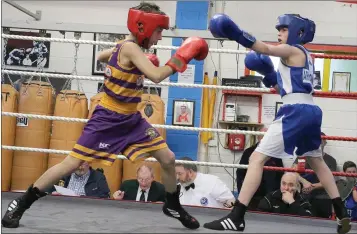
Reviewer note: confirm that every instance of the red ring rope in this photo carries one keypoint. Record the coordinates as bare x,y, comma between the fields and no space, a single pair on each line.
351,95
339,138
284,169
331,56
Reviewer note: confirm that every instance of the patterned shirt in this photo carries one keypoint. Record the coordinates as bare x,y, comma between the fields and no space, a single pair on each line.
77,183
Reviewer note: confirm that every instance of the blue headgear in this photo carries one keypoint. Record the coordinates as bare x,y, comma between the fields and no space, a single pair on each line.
301,30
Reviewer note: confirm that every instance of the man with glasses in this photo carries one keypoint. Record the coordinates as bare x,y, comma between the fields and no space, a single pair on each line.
144,188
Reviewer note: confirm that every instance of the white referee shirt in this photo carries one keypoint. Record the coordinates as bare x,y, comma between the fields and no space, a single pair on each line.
209,191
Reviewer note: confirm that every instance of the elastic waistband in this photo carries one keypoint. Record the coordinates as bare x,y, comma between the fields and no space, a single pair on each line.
298,98
118,106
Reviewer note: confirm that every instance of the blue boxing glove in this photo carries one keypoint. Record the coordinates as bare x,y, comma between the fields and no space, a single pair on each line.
270,80
222,26
262,63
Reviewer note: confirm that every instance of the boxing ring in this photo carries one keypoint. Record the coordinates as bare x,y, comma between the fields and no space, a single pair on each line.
73,214
65,214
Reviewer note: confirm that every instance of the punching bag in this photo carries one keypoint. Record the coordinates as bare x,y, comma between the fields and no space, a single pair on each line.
71,104
112,173
35,97
94,102
9,103
152,108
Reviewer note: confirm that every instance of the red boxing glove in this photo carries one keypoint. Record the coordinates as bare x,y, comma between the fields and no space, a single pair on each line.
154,59
192,47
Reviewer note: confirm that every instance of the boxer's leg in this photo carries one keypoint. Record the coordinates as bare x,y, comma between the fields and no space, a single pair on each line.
146,141
279,142
166,158
98,129
56,172
310,146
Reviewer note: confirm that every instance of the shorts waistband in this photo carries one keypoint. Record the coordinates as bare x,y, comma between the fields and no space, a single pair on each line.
298,98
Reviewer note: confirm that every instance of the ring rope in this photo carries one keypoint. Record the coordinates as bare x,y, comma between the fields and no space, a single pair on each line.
93,78
199,163
51,39
150,83
224,51
195,129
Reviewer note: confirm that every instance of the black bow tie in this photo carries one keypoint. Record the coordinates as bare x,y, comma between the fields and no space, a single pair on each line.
190,186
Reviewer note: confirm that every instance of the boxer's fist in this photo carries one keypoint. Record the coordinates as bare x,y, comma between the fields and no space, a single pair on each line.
154,59
259,62
270,80
222,26
262,64
192,47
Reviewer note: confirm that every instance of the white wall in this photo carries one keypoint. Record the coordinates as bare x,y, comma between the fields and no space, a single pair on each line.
253,16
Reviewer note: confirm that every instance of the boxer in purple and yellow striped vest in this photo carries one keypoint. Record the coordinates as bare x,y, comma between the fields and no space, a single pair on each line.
116,126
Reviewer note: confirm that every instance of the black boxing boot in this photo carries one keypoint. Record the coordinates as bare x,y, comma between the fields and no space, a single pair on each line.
343,219
17,207
173,209
234,221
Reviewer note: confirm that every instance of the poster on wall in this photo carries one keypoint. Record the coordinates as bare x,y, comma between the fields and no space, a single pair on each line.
317,80
27,53
99,67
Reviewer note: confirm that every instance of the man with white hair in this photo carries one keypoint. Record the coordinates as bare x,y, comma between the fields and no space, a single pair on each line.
287,199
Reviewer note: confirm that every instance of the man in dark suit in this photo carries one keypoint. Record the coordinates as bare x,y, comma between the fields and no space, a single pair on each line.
144,188
85,181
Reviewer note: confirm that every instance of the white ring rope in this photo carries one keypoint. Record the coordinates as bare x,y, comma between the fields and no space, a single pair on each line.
195,129
52,151
146,83
49,39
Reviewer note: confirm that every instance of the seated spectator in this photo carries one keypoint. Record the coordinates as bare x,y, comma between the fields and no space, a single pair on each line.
351,200
144,188
199,189
313,190
270,179
287,199
86,181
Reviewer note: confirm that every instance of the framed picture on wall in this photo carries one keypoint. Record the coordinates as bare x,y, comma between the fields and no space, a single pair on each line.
99,67
183,113
341,81
27,53
317,80
277,107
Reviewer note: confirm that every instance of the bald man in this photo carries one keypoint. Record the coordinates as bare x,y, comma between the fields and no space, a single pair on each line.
270,179
144,188
287,199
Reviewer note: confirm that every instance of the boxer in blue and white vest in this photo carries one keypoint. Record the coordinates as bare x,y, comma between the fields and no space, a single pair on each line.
297,125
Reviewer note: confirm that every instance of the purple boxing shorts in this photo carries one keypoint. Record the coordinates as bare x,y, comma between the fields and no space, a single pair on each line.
108,134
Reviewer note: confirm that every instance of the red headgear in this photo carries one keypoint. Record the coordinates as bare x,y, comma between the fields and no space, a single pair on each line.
142,24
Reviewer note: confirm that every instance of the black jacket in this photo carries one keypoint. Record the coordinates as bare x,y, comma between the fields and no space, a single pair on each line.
270,180
273,203
96,186
130,188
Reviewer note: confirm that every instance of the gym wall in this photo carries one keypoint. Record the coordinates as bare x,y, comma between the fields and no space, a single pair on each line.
335,24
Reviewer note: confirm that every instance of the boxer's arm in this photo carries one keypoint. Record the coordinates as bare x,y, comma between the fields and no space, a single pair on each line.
104,55
283,50
138,58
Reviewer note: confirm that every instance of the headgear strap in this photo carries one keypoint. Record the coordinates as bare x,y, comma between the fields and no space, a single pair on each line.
142,25
301,30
